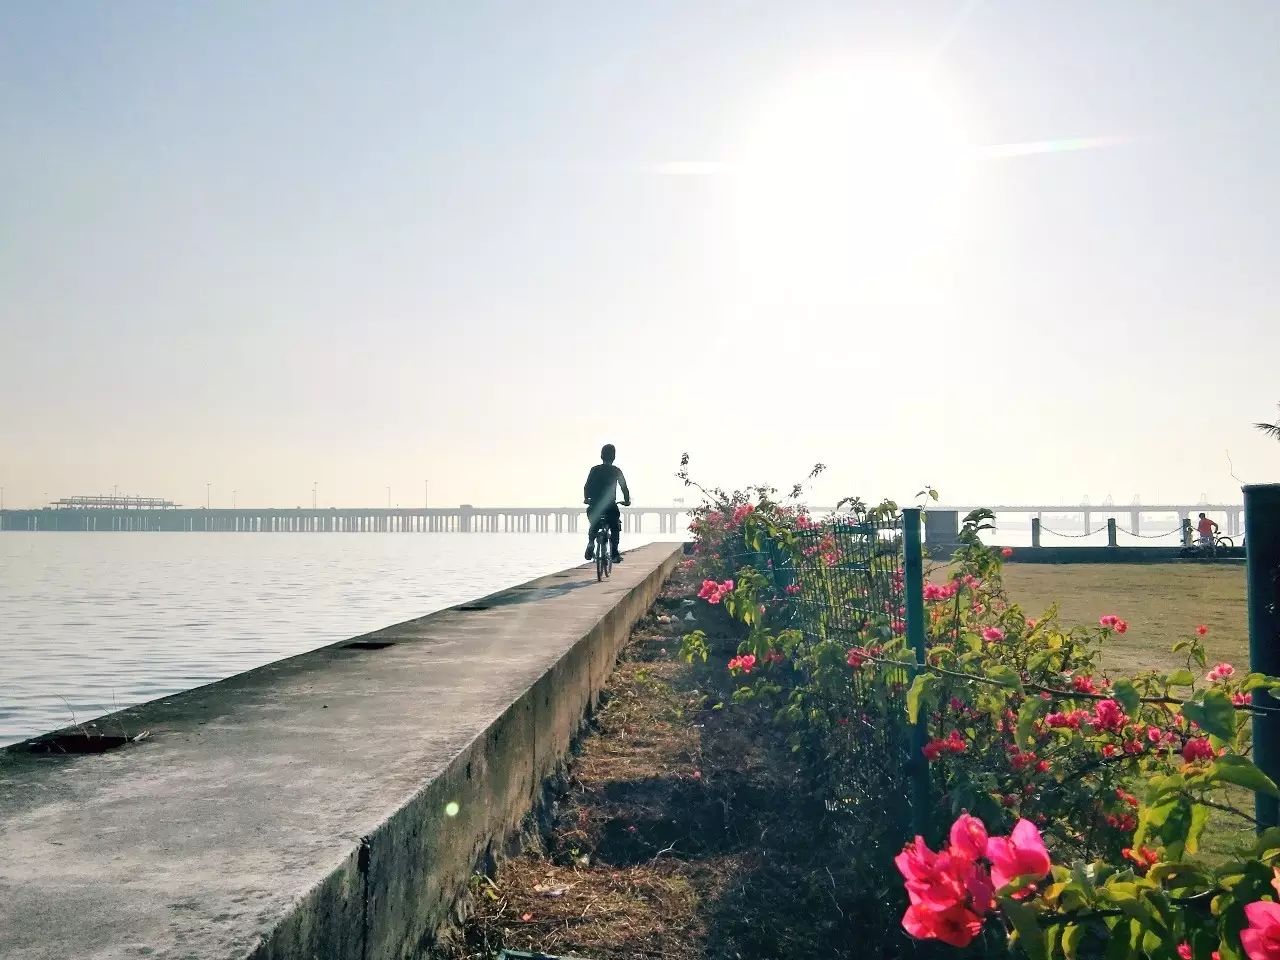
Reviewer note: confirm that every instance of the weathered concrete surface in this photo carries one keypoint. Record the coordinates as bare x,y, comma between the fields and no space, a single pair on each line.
304,809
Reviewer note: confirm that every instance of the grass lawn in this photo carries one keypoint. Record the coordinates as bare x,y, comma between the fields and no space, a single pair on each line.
1162,602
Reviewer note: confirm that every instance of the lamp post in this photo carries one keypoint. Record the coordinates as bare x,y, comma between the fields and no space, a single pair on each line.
313,493
208,488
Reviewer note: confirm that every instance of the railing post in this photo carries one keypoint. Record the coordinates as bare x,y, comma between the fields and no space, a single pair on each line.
1111,531
1262,559
1186,531
1035,531
913,587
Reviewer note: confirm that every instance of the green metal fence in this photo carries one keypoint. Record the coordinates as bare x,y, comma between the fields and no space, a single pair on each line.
857,580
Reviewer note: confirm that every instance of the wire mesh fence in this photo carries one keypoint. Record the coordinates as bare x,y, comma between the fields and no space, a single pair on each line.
844,584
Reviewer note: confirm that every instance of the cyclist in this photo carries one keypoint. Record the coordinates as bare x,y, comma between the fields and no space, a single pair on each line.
601,497
1207,529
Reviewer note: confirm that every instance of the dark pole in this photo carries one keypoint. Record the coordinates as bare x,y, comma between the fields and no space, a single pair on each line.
913,587
1262,552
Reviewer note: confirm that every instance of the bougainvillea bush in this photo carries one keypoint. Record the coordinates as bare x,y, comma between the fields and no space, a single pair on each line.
1066,805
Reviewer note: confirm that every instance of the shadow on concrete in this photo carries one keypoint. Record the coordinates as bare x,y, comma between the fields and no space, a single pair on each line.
518,595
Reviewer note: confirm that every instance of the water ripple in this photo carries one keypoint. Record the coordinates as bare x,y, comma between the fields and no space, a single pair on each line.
90,623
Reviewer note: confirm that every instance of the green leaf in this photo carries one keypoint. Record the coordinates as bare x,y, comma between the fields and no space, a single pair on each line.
1214,714
1182,678
923,689
1199,817
1072,935
1232,768
1267,841
1032,709
1126,694
1026,923
1006,675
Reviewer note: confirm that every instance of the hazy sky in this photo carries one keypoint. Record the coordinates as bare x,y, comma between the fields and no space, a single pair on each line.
263,244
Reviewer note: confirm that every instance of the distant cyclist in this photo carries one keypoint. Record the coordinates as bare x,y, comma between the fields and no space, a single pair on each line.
601,497
1207,529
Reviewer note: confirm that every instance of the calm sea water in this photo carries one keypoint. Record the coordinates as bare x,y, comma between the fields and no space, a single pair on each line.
94,622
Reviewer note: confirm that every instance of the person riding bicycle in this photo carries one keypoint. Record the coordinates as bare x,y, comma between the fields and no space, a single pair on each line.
601,497
1207,530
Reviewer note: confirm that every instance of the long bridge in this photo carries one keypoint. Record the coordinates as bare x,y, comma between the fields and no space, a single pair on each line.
137,515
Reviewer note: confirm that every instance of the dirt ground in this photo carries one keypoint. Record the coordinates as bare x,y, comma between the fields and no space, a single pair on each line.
679,834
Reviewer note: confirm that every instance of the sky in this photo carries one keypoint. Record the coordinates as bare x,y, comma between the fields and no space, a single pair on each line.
1018,251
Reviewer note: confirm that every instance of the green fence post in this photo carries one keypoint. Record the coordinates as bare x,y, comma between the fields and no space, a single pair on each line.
913,587
1262,558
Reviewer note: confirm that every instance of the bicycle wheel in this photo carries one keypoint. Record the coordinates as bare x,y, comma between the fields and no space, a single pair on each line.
1225,542
601,558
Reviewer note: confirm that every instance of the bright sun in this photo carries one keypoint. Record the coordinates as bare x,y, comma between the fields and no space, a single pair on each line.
849,185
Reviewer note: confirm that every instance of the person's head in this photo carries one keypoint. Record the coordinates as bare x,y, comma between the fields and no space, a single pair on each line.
1202,516
608,454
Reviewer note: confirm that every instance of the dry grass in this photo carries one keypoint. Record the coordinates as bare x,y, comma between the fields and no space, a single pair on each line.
643,847
681,833
1162,602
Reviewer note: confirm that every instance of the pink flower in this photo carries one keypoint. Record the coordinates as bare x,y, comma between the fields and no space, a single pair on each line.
968,837
1031,624
1221,671
1261,939
933,880
1242,699
955,927
1184,950
993,634
1021,854
1107,715
934,591
1007,552
712,592
949,891
1122,625
1109,621
899,627
746,663
1070,720
1083,683
936,748
1198,749
773,656
792,589
1202,629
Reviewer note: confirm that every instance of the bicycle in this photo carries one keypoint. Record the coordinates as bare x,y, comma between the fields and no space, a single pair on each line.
603,555
603,552
1197,549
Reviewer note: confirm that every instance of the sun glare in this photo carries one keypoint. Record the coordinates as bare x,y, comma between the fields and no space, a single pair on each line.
849,184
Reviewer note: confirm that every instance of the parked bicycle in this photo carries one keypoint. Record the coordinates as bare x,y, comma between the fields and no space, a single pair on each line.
1198,550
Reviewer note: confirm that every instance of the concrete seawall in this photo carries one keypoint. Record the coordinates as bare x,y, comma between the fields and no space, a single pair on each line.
332,805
